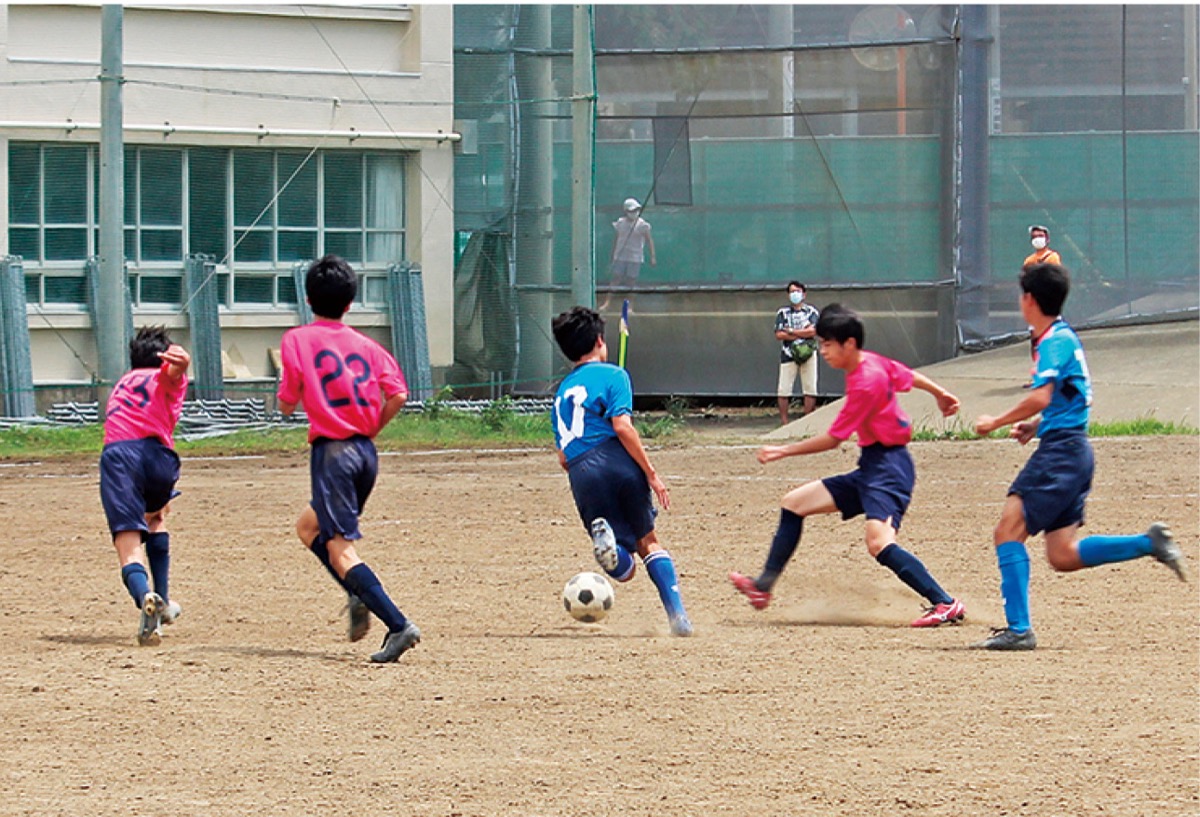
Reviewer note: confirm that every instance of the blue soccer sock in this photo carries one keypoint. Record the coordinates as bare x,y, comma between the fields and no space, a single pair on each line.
158,554
661,569
623,572
1103,550
783,546
1014,584
137,582
362,582
320,549
913,572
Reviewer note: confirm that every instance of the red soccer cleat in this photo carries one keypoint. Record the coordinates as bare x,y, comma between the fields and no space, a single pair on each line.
940,614
759,599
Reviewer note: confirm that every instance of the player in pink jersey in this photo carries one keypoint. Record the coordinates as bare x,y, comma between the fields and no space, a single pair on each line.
351,387
139,469
880,488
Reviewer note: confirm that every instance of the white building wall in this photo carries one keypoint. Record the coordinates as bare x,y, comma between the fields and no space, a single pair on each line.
370,78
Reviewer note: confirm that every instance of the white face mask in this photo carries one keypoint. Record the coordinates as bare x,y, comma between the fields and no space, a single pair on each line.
1038,242
796,297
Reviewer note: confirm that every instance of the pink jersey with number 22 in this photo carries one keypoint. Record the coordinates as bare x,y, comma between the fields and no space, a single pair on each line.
337,373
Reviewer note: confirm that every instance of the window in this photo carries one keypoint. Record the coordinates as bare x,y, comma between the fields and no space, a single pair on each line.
257,212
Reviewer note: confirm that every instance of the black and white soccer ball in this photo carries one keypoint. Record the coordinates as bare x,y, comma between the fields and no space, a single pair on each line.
588,597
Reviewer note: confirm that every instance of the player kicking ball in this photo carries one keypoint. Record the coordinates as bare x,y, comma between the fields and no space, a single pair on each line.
351,388
880,488
139,469
611,477
1049,493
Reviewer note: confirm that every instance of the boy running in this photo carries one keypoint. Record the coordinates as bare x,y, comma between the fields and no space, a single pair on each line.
139,469
611,477
339,373
880,488
1049,493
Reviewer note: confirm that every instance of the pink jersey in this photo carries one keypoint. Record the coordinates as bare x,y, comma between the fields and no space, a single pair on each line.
337,373
871,408
145,403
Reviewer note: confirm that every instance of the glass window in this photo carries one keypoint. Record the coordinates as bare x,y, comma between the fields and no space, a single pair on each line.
254,289
297,246
24,184
64,185
298,197
23,241
207,216
161,183
65,289
160,289
252,247
63,244
347,245
253,188
343,190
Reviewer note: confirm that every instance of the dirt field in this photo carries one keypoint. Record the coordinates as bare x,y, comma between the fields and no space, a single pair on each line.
826,704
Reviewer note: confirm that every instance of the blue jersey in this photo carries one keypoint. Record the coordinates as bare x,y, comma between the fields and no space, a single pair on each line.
1060,361
587,400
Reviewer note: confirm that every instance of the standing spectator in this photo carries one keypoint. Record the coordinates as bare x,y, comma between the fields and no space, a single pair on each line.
796,328
631,237
1039,237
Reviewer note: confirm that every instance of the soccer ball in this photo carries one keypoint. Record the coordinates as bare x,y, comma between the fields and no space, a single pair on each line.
588,597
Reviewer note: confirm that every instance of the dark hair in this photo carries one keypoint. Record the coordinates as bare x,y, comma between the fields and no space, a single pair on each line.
838,323
1048,284
330,285
145,346
577,330
801,286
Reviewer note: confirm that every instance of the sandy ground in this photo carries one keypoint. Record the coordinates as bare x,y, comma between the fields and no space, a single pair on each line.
826,704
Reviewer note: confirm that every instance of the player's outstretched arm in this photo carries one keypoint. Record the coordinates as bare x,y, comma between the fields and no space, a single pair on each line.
947,403
632,441
813,445
177,360
1030,406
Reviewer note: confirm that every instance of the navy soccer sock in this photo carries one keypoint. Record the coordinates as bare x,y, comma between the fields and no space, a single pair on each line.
912,572
625,565
783,546
137,582
158,554
661,569
320,549
362,582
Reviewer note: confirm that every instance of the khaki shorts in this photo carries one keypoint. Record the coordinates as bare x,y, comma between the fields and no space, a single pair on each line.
808,377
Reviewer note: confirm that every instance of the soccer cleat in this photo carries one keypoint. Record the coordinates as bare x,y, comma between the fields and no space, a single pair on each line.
149,633
397,643
1006,639
604,545
171,612
681,625
759,599
1164,548
940,614
360,618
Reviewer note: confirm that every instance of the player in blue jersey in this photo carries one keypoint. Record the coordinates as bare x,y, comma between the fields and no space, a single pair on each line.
1049,493
611,477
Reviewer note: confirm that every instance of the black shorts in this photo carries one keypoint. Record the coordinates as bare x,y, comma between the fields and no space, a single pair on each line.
607,483
880,488
343,474
1056,481
137,477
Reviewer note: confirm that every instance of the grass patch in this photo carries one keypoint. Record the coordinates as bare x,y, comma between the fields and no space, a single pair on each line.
1141,427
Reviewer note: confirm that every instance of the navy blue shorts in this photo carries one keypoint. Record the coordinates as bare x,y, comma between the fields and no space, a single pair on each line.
607,483
1054,484
137,477
880,488
343,474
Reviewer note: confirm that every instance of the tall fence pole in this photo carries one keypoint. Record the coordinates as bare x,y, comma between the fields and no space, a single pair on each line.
583,133
111,294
